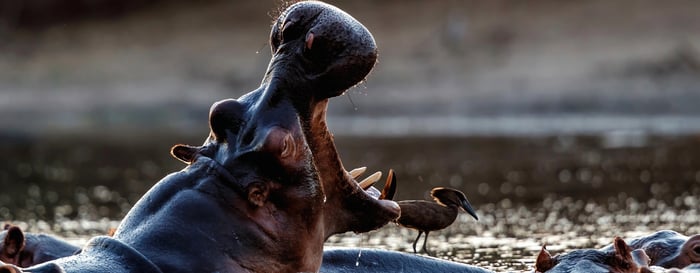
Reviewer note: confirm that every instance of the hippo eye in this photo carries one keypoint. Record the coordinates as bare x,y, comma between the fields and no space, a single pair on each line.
697,250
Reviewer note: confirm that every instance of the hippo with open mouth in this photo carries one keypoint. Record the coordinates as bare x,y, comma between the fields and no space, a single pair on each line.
267,187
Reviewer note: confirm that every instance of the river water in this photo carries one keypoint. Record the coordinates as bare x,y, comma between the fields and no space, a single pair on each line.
568,191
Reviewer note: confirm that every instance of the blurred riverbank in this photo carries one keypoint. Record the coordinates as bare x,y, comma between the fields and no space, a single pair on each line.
453,65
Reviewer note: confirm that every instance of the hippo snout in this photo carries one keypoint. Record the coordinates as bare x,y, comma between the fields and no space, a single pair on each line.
331,49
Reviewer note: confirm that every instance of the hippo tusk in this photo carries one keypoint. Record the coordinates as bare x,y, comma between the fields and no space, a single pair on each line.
389,186
370,180
355,173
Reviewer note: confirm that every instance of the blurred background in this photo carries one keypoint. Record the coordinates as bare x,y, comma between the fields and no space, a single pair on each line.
520,104
455,67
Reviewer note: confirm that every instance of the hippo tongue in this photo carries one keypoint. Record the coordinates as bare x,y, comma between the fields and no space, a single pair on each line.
348,207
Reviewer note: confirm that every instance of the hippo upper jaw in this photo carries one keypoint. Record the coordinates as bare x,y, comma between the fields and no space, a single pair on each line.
319,52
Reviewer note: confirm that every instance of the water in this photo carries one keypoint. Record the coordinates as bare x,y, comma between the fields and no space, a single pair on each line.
568,191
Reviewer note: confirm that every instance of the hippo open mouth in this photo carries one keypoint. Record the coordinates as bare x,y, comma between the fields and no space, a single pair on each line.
332,52
318,52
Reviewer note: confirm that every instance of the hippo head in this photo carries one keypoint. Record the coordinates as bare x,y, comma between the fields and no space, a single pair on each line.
622,260
675,253
274,140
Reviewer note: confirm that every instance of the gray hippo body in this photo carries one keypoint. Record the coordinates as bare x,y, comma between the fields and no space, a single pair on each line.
101,254
347,260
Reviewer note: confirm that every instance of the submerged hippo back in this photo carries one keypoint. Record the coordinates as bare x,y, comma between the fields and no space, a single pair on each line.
101,254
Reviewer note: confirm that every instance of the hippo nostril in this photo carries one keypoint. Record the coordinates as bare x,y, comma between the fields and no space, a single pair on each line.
696,250
291,30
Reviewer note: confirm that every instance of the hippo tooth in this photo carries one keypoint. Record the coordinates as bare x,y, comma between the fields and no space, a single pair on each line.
370,180
357,172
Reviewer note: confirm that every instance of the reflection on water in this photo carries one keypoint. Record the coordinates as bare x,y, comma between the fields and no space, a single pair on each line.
566,191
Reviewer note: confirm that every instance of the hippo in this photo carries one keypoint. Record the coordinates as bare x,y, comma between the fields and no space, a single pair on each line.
27,249
620,260
347,260
267,187
667,248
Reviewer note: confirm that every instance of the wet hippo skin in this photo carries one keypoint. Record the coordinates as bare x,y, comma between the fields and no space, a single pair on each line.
267,187
341,260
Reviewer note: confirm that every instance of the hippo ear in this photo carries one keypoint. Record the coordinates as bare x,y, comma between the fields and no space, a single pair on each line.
184,153
544,260
622,250
14,242
623,256
258,193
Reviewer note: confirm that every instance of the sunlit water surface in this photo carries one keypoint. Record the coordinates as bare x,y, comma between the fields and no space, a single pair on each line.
569,192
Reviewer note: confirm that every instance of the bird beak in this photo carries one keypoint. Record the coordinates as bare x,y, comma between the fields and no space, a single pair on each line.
469,209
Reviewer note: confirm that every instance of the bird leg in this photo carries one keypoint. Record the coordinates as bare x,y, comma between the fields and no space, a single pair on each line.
425,243
416,241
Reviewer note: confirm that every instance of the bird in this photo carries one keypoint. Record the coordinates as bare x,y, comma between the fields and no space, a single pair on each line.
427,216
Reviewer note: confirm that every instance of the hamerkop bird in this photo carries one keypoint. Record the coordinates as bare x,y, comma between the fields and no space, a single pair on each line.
426,216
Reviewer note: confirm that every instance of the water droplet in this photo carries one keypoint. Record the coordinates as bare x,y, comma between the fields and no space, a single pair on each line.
359,254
